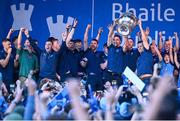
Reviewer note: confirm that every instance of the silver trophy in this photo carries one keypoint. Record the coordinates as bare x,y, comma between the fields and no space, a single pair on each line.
126,23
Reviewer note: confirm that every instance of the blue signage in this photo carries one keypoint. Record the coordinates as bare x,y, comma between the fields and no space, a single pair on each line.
46,18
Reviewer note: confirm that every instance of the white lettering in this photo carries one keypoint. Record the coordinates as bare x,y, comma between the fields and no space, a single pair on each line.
152,11
155,13
159,12
132,10
144,13
169,13
117,11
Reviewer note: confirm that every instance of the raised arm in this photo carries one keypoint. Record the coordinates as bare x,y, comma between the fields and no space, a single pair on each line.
17,98
177,40
10,33
100,30
4,62
160,46
66,33
143,36
74,92
30,106
158,53
32,43
126,43
170,50
110,34
86,37
147,31
20,38
110,103
70,35
175,58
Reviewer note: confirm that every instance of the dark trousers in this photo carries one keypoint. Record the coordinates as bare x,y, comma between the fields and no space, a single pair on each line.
147,82
95,81
10,85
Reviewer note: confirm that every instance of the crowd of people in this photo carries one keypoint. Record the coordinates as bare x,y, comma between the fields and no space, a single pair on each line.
74,81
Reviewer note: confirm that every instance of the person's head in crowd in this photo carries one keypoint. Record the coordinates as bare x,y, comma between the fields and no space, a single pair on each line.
131,43
166,58
107,85
94,44
55,43
140,46
14,40
167,45
152,47
19,110
117,40
153,84
125,110
48,46
71,45
105,48
6,44
78,44
58,116
13,116
28,46
168,107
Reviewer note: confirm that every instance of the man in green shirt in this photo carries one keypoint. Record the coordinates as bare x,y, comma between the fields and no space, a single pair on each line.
27,59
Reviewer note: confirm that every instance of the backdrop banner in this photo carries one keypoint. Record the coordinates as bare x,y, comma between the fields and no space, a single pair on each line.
46,18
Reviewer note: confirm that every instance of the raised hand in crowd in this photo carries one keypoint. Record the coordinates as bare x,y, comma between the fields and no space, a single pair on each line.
74,93
20,38
170,50
75,23
153,109
71,33
158,52
17,99
26,32
177,40
10,33
136,92
160,44
143,35
86,37
30,106
111,33
110,100
100,30
175,58
66,33
147,31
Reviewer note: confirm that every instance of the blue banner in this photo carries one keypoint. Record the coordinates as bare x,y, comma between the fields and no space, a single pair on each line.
46,18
